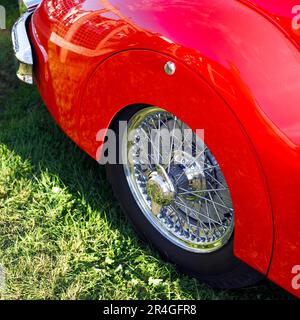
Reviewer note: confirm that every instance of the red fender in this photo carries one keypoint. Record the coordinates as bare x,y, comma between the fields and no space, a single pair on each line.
245,64
139,76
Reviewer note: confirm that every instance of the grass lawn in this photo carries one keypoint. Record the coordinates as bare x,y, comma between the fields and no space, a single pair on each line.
62,234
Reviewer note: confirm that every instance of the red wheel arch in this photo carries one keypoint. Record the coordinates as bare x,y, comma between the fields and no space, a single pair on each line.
138,76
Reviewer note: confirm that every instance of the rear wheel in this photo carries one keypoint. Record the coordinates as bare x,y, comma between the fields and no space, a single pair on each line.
173,190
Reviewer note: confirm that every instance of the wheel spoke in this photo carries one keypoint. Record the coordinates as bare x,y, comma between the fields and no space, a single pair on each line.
198,213
217,181
217,193
201,197
152,145
172,143
190,163
202,191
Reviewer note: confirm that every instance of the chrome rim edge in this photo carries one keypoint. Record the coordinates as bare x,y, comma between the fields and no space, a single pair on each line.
195,214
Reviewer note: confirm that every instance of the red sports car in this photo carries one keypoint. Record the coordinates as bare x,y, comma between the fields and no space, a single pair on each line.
218,193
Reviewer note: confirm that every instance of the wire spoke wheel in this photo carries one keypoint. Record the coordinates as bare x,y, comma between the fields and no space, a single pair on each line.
177,182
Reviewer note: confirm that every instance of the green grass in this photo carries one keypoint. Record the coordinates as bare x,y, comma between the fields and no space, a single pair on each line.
62,234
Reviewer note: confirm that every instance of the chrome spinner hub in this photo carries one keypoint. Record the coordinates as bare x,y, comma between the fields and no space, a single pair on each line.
160,189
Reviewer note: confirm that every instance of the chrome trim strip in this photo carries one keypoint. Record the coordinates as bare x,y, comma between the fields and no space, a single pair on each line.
22,48
20,40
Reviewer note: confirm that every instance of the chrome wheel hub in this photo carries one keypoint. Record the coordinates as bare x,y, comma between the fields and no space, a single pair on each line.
182,192
160,189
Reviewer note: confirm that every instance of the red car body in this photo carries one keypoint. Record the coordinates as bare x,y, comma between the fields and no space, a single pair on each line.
238,77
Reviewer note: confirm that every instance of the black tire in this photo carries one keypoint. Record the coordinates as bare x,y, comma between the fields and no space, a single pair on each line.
219,269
